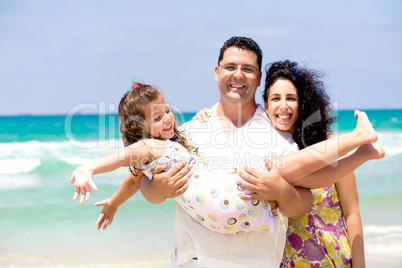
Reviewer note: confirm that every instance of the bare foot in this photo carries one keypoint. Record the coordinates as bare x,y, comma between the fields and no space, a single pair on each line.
364,128
373,150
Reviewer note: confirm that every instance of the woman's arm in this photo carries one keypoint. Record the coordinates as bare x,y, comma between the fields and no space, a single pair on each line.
129,186
347,191
296,202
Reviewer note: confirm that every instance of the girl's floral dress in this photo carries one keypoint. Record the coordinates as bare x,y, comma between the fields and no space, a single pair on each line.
319,239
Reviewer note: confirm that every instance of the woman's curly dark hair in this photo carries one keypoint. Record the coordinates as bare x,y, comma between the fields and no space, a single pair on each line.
315,113
132,116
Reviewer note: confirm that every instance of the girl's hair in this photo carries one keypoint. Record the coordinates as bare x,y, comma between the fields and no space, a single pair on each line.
315,114
132,117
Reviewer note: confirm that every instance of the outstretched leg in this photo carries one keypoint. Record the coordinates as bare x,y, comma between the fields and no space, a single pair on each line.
364,128
298,165
342,167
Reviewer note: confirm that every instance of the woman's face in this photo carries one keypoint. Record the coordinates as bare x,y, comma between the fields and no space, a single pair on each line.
282,105
159,119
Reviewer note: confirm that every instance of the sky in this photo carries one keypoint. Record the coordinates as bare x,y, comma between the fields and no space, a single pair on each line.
59,57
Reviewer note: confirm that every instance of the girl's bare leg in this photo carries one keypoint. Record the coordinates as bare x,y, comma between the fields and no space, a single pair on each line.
298,165
342,167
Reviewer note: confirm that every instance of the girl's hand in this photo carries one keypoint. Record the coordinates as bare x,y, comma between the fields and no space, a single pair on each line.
203,115
83,181
107,214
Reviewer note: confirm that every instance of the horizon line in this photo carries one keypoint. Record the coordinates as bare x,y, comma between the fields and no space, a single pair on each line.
189,112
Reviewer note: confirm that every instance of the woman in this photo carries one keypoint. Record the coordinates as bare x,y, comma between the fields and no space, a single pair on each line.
295,101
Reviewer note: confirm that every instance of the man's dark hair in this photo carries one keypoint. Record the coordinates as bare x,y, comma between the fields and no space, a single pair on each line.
242,43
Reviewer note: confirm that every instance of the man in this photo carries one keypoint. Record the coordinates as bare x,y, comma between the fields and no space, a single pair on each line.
237,134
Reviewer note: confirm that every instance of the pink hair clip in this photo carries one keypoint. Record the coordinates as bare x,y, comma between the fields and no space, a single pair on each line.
135,86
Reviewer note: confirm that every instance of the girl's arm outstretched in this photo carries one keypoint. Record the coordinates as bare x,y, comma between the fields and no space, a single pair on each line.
129,187
133,155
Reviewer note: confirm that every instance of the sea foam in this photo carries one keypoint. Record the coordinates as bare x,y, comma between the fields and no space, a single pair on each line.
78,160
15,166
24,157
391,141
383,240
62,150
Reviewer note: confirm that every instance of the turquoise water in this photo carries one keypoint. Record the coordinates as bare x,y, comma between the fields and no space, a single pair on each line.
41,225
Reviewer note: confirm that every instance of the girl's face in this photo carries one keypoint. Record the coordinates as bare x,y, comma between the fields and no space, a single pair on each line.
282,105
159,119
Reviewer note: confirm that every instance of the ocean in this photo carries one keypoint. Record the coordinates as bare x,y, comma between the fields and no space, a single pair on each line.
40,225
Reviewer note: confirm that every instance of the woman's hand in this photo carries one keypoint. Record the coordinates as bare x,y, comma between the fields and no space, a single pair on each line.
202,115
83,181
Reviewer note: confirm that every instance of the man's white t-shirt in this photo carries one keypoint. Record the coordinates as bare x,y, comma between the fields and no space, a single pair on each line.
247,146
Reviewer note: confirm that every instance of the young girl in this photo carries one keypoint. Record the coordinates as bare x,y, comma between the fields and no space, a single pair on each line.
150,135
213,197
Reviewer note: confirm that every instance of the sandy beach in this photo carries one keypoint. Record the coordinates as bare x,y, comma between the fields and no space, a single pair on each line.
155,260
